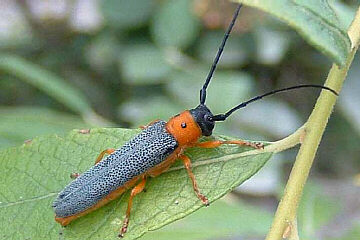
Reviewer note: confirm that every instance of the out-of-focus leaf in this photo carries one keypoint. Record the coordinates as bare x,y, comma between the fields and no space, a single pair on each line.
271,45
219,220
15,30
345,13
270,117
350,97
46,81
24,123
85,16
102,52
353,234
127,14
142,111
267,181
37,171
143,64
226,89
315,210
316,21
236,52
50,11
175,24
342,133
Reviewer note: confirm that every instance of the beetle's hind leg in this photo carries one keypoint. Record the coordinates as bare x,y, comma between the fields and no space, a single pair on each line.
217,143
98,159
101,155
136,190
187,163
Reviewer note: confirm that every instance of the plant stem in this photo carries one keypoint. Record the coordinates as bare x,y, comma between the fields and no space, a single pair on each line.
275,147
314,129
281,145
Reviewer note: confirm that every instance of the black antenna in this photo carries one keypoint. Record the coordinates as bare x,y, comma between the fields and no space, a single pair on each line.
222,117
218,55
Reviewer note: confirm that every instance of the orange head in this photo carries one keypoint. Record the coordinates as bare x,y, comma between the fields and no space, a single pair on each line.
188,126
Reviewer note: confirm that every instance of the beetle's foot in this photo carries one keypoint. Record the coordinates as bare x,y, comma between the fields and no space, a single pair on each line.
124,228
256,145
74,175
204,200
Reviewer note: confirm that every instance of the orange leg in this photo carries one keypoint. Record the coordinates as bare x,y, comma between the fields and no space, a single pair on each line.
98,159
101,155
217,143
157,171
136,190
187,163
149,124
74,175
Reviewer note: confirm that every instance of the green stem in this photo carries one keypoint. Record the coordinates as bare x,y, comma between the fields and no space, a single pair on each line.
281,145
314,129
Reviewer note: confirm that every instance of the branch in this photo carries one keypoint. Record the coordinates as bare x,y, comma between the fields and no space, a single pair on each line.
315,127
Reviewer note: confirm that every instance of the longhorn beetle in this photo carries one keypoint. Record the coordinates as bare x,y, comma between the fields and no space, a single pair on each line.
149,154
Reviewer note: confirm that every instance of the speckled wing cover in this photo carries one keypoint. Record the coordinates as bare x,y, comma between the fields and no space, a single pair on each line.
144,151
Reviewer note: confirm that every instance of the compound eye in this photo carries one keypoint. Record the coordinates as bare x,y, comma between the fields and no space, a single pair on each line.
183,125
207,118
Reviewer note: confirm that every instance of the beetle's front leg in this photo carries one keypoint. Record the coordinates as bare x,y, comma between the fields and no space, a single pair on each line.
136,190
187,163
217,143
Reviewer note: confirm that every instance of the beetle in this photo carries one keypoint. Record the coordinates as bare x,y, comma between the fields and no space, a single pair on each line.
149,154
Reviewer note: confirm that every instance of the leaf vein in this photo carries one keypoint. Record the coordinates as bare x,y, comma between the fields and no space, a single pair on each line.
9,204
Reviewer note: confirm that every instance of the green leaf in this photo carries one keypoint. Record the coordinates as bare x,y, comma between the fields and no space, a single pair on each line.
15,29
241,219
141,111
345,13
33,174
230,86
314,20
102,52
127,14
271,45
175,25
18,124
315,210
143,64
46,81
352,233
351,98
237,53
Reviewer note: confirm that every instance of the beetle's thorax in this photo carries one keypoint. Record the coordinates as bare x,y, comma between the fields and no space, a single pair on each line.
184,129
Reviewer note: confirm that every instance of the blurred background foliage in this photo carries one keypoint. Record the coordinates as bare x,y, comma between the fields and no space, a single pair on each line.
117,63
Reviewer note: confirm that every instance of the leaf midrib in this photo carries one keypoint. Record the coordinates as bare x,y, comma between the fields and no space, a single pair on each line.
10,204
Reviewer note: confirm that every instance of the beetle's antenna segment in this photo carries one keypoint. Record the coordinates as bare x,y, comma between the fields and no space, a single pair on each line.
218,55
222,117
